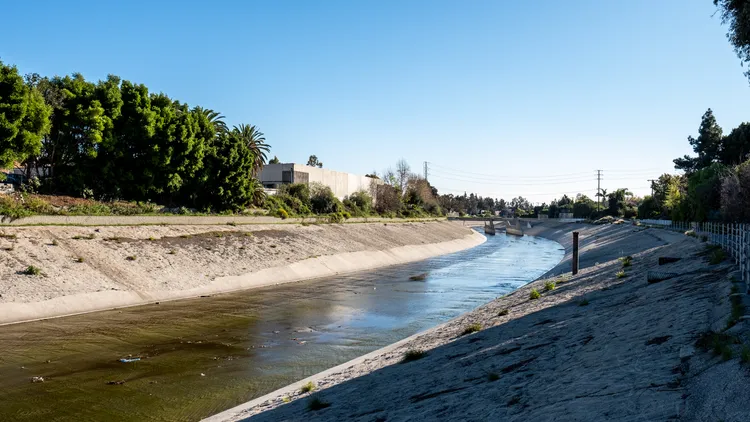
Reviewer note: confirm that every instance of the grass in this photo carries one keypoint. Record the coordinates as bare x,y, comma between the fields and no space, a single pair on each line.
130,258
471,329
621,274
412,355
286,399
307,387
626,261
550,285
54,242
504,312
534,295
32,270
745,354
719,343
493,376
316,403
717,256
418,277
172,252
151,238
79,259
584,302
7,236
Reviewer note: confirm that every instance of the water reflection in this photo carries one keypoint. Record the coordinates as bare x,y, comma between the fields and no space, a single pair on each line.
203,356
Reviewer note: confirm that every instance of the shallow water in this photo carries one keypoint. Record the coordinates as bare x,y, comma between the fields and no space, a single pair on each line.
202,356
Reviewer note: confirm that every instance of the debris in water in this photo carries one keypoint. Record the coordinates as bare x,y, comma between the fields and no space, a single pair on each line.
202,374
128,360
120,382
37,379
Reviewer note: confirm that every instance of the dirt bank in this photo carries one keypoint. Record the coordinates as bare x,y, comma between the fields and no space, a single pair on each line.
83,269
597,347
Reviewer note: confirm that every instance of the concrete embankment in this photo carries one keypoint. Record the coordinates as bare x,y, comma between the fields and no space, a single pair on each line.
598,346
85,269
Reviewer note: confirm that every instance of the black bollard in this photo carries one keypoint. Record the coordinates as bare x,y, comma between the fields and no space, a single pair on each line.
575,253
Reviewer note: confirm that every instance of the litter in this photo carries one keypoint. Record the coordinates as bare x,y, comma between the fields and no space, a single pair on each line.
37,379
128,360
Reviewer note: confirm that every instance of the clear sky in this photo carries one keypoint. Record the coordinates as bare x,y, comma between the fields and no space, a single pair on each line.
503,98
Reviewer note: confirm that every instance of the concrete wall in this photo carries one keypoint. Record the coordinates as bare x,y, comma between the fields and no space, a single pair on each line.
342,184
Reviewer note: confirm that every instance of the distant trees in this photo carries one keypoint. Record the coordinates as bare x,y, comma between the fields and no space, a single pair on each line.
313,162
274,160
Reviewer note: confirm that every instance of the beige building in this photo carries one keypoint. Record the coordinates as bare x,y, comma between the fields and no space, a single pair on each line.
342,184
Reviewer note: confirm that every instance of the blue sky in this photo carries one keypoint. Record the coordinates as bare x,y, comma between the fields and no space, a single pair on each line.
503,98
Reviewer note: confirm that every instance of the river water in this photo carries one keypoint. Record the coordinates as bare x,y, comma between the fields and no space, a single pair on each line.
202,356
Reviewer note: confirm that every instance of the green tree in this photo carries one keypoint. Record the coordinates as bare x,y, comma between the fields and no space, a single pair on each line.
229,164
736,146
24,117
274,160
707,145
736,14
256,143
313,162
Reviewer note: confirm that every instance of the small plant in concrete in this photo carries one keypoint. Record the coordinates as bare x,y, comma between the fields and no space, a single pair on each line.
621,274
32,270
307,387
412,355
504,312
79,259
151,238
626,261
534,295
584,302
550,285
172,252
473,328
717,256
745,354
418,277
286,399
316,403
130,258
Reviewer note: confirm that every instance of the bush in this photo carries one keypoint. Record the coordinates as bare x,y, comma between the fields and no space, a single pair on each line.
359,203
626,261
32,270
717,256
621,274
282,214
412,355
316,403
473,328
307,387
550,285
534,294
323,201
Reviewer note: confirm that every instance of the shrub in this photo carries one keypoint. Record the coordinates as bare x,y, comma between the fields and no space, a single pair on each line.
412,355
307,387
626,261
359,203
322,199
79,259
717,256
335,218
286,399
745,354
550,285
621,274
316,403
534,294
282,214
32,270
473,328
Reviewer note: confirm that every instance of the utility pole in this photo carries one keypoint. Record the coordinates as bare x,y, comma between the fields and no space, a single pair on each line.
426,170
652,186
598,189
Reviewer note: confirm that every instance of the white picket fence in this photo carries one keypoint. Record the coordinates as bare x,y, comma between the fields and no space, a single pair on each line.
734,239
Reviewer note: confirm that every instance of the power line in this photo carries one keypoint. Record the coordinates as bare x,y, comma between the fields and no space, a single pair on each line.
598,189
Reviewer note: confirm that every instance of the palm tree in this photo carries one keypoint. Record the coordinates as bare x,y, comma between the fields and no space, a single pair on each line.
256,143
215,118
257,194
